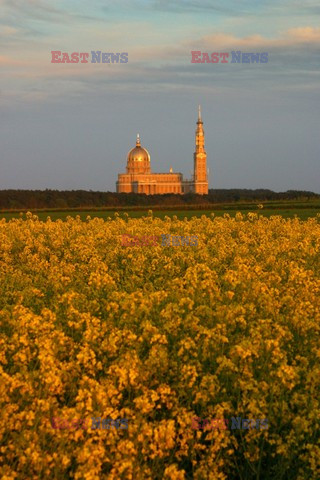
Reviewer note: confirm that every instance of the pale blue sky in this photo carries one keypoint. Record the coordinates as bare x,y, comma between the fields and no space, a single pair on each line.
70,126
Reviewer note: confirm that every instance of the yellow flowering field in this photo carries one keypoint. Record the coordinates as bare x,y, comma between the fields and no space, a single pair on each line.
159,335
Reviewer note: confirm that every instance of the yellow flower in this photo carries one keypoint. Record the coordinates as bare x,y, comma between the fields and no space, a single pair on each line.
153,338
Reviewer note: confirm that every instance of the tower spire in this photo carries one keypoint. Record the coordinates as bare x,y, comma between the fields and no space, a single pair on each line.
199,115
138,140
200,160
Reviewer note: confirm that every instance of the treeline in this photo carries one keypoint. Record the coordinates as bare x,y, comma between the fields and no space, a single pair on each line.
43,199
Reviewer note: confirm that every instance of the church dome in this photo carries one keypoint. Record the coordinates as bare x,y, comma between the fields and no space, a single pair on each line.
138,154
138,160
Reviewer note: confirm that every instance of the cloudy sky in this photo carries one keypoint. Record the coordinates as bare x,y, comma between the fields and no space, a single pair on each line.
70,126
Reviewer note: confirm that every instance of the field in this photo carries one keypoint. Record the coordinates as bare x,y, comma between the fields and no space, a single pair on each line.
287,209
165,337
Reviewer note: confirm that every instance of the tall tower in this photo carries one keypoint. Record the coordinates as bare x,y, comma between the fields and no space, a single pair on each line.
200,160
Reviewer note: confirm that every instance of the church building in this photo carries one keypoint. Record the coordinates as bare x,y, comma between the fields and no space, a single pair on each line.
139,178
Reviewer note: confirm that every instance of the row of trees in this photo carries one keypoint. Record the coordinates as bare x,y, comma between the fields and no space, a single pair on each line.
43,199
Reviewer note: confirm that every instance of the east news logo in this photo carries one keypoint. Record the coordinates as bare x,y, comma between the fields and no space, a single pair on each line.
82,57
223,57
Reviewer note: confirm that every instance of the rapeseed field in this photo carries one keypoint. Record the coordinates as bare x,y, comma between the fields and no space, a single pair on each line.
159,335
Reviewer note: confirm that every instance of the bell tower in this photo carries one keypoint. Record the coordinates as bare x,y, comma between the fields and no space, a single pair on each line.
200,160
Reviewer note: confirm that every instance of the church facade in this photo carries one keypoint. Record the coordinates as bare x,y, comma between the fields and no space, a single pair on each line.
139,178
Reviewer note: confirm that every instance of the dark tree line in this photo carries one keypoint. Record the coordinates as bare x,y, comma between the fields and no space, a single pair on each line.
43,199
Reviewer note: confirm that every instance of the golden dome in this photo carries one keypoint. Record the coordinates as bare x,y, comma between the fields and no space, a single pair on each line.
138,154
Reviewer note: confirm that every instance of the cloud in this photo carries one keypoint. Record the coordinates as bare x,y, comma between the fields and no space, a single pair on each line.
290,38
307,7
287,42
7,31
293,61
32,8
183,6
29,10
305,34
7,61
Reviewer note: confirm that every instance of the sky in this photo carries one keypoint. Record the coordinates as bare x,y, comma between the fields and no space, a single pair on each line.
69,126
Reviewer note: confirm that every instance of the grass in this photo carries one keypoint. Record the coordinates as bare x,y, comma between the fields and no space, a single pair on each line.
287,209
